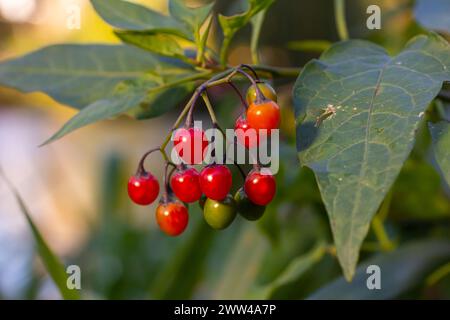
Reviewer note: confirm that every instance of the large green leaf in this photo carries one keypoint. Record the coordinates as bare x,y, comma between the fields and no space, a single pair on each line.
400,271
78,75
440,134
52,264
232,24
142,99
130,16
357,153
433,14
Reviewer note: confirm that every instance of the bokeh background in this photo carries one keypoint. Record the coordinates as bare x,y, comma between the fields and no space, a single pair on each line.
75,188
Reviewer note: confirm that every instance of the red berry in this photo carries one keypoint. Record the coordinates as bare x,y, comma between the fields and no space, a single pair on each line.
265,115
190,144
246,135
186,185
260,188
215,181
143,189
172,217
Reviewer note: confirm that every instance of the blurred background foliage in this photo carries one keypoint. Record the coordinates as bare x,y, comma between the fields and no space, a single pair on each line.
75,189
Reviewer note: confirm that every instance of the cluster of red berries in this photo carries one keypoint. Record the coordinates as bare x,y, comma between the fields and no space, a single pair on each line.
212,185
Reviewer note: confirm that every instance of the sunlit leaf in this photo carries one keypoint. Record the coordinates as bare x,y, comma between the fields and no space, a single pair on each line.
130,16
160,43
231,24
192,18
400,270
52,264
357,146
440,134
78,75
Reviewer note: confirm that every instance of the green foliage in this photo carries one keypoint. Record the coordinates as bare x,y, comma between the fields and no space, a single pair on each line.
125,15
293,271
400,270
192,18
357,152
440,133
232,24
78,75
52,264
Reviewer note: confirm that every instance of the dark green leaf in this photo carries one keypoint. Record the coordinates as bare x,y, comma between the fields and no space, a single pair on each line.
192,18
440,134
433,14
160,43
51,262
357,153
418,194
400,270
130,16
78,75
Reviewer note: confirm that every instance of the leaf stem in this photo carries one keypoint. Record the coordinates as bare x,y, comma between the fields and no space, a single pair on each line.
339,16
438,274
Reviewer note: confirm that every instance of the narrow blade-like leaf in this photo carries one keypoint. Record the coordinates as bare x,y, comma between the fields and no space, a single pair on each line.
51,262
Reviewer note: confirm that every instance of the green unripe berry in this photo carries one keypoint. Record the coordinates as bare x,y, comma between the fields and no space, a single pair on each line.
220,214
266,90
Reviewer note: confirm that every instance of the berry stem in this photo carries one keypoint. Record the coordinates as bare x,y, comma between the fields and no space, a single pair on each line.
141,169
259,95
255,75
165,196
235,88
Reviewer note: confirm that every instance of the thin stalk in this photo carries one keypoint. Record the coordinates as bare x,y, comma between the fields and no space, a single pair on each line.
202,45
141,169
238,92
339,16
259,95
437,275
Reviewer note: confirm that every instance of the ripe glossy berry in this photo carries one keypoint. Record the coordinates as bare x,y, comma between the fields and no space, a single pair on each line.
190,144
215,181
186,185
172,217
246,208
143,189
246,136
268,92
260,188
220,214
264,115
